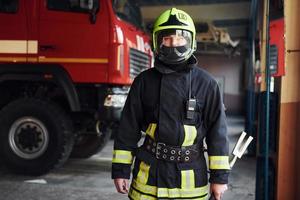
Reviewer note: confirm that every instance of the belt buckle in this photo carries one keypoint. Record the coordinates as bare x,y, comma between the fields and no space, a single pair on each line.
159,145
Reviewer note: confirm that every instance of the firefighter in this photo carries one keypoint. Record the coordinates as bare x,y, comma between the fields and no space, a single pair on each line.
177,105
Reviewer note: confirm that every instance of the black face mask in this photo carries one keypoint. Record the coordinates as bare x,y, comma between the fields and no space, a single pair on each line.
172,55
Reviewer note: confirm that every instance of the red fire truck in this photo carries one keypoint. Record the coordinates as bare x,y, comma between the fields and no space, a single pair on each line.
65,71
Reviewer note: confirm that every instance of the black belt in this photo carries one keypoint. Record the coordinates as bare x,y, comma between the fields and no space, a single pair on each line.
169,153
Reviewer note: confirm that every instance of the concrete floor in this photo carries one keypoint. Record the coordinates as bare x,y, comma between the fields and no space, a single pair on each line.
90,179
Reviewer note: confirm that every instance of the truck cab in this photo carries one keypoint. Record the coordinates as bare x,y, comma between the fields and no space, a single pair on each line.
65,70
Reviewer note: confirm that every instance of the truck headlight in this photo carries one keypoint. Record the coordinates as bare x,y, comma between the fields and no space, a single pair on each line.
115,100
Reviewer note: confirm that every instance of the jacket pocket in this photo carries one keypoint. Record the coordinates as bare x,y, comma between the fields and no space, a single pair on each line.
199,171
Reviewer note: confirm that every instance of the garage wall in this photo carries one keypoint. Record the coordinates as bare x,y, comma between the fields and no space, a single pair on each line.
231,71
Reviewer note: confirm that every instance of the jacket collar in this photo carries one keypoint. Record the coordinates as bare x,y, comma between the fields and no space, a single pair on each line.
167,69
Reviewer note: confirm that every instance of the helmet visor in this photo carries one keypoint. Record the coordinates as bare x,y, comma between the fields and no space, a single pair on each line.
174,45
174,38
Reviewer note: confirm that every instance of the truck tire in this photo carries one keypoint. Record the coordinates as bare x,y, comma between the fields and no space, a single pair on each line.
86,145
35,136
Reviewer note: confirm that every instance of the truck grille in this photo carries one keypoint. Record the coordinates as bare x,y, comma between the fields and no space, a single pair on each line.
139,61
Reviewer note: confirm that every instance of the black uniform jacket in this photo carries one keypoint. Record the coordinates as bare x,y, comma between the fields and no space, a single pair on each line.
156,105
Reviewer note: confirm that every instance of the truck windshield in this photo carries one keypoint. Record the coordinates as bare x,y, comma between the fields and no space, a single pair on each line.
129,11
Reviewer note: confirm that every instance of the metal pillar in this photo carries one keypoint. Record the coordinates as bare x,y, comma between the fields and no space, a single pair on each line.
266,156
251,96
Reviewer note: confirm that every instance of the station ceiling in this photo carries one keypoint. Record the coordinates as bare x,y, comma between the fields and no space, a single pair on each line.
230,14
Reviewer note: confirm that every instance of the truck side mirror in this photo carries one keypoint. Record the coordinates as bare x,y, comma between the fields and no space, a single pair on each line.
92,6
93,15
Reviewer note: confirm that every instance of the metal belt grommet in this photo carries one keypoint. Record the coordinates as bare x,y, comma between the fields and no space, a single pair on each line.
187,158
165,151
172,158
173,152
164,156
187,152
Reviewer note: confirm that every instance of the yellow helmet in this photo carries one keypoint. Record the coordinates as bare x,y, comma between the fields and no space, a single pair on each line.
176,22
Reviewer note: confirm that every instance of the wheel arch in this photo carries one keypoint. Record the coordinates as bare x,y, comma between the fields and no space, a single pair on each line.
45,73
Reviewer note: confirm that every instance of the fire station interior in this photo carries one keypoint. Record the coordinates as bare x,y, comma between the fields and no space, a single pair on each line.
258,76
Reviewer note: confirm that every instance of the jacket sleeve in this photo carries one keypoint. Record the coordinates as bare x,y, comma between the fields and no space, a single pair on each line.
216,137
128,133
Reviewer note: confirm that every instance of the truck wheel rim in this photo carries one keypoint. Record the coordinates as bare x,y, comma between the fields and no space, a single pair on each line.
28,137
